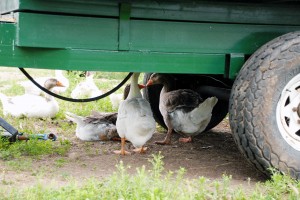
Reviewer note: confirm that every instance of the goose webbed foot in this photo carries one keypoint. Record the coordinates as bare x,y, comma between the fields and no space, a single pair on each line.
140,150
166,141
186,140
122,151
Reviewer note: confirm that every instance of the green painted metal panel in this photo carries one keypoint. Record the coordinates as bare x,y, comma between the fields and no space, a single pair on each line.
7,34
227,11
79,7
56,31
247,12
149,36
119,61
82,59
168,36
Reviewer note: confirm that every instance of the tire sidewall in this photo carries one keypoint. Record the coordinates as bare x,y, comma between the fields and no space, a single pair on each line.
272,82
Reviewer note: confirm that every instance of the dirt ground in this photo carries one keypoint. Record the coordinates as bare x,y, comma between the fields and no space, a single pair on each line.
211,155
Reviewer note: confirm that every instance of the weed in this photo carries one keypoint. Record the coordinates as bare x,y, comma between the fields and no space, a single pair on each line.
19,164
60,162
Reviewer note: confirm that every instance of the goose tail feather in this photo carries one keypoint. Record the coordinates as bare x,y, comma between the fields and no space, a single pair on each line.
74,118
204,110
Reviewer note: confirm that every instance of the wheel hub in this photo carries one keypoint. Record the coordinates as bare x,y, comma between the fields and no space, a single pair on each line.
288,113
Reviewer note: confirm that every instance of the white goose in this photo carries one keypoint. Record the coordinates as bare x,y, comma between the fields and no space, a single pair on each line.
135,120
115,100
86,88
100,126
30,88
30,105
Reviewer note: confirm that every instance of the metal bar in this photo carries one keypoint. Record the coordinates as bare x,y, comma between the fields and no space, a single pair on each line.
117,61
124,26
9,128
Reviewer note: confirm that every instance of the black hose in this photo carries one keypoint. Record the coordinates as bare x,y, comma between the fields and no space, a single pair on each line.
76,100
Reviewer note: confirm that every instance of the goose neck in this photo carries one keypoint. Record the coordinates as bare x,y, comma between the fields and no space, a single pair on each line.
48,97
167,84
134,88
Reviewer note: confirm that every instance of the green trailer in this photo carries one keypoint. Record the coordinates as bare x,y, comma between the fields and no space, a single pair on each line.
246,53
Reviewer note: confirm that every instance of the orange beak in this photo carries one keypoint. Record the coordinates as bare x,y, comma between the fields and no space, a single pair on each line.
150,82
59,84
141,86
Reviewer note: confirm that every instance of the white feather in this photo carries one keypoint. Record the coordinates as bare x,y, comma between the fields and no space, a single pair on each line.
135,120
194,122
86,88
29,105
91,131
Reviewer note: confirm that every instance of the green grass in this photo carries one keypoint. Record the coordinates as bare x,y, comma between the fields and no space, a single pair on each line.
156,183
32,147
19,164
60,162
10,87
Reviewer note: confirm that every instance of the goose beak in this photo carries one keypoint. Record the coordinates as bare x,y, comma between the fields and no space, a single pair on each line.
59,84
141,86
150,82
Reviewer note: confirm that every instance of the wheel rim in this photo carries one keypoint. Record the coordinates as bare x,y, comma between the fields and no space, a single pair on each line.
288,111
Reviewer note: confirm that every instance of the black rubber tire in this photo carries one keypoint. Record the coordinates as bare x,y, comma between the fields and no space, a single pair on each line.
152,95
218,114
253,101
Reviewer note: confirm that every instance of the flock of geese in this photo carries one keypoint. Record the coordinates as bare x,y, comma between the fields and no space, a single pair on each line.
183,110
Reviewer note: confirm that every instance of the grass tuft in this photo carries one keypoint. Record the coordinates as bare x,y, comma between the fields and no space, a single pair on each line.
156,183
32,147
